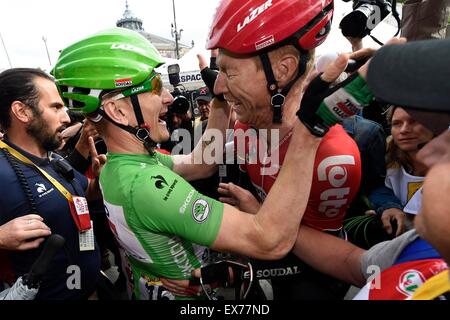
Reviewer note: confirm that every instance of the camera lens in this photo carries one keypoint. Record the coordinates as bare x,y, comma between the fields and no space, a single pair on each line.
180,105
355,23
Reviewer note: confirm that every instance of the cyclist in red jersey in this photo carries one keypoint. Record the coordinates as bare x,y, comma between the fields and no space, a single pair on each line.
337,174
260,56
264,48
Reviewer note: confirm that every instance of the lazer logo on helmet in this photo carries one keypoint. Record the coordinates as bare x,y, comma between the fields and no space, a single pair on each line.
255,13
137,89
127,47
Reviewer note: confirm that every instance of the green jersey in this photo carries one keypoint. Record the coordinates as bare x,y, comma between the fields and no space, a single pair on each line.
156,216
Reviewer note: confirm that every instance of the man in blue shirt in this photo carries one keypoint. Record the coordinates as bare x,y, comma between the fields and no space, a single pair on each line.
38,181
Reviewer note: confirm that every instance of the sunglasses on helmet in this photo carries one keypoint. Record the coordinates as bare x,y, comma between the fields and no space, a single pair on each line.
153,84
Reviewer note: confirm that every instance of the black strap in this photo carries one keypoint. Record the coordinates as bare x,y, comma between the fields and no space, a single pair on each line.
22,180
137,110
277,99
141,133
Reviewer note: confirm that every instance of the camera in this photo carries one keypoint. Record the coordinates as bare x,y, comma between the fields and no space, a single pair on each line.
180,104
366,15
174,74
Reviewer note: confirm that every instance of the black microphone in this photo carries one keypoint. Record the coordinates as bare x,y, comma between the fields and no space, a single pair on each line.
53,244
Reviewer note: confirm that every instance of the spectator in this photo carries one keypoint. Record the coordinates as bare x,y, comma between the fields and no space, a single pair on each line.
408,260
405,172
425,19
204,103
33,117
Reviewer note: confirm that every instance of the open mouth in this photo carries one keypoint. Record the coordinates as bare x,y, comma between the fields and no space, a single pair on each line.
162,119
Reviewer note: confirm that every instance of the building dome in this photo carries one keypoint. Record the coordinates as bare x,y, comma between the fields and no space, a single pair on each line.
166,47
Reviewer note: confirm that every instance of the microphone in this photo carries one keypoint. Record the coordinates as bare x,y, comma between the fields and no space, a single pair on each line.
53,244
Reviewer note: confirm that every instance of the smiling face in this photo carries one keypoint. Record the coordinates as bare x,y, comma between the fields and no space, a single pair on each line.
153,104
407,132
154,110
244,87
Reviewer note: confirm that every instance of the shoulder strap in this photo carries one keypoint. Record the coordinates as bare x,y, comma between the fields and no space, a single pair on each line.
22,180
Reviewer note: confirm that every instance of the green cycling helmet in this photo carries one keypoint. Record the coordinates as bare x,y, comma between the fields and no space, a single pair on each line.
112,59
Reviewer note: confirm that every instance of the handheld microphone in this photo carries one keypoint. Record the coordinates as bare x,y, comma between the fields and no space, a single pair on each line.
53,244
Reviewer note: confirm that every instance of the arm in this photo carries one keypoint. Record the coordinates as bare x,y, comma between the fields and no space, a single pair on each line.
178,209
79,158
203,160
383,198
271,233
195,165
93,191
331,255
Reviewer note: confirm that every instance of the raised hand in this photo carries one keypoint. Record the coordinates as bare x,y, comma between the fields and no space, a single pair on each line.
83,143
209,75
98,161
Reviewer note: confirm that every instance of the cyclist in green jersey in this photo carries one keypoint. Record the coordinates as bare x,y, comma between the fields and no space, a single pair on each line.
155,214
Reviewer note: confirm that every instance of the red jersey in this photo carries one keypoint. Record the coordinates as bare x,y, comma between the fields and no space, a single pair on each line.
336,179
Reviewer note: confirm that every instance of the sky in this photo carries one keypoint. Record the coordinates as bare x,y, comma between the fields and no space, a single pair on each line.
23,24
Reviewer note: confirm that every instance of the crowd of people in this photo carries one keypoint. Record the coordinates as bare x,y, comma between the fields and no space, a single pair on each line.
292,191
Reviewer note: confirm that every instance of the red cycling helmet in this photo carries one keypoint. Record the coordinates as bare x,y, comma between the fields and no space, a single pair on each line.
245,27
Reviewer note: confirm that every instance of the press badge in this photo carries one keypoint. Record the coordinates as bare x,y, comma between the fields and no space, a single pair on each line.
81,213
222,170
87,242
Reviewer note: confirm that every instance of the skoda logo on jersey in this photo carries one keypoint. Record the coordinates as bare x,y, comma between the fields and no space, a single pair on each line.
200,210
160,182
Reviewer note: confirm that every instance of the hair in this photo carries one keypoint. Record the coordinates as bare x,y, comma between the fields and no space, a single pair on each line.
395,157
18,84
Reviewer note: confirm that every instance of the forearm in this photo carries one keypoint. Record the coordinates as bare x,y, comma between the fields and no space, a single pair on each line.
271,233
283,209
78,161
329,254
204,159
383,198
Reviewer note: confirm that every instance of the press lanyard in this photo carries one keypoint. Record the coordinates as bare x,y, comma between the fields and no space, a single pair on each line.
81,226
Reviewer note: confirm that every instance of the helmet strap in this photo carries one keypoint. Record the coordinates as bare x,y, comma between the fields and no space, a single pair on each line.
141,132
278,97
